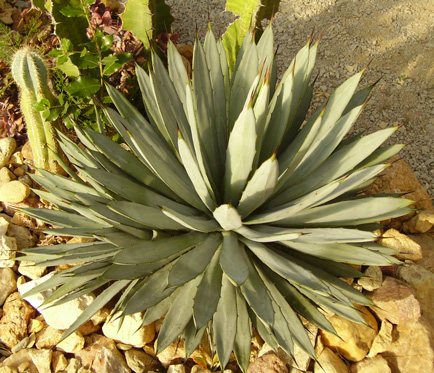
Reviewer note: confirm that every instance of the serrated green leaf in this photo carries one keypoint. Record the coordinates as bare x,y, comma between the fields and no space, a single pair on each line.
194,262
233,259
268,234
192,337
292,270
178,316
155,250
239,155
149,216
260,187
84,87
243,336
99,302
228,217
208,293
257,296
341,253
369,210
200,181
225,322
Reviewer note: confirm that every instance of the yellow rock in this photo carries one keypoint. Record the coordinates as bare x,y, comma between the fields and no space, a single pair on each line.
356,338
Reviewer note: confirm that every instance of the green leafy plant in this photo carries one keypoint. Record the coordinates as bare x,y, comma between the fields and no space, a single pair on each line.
249,14
230,210
31,75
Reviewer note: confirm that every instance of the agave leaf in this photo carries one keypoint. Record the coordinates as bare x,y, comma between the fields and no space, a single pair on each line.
150,292
173,114
381,155
259,187
119,239
194,223
132,271
225,322
127,162
192,337
256,295
99,302
288,210
129,189
260,109
349,312
217,81
233,259
264,331
277,115
318,149
62,218
341,253
225,71
369,210
149,216
243,79
240,154
300,72
228,217
155,250
72,284
194,262
200,181
177,71
272,234
157,311
352,182
300,303
206,115
331,235
338,164
281,330
243,336
143,139
287,267
59,249
179,315
54,280
63,183
208,293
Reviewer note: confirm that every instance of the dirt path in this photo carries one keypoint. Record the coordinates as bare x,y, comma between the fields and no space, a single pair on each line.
397,35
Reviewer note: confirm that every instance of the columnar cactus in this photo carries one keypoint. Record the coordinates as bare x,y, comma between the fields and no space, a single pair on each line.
31,75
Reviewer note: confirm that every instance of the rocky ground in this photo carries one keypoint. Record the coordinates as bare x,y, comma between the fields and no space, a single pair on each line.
396,36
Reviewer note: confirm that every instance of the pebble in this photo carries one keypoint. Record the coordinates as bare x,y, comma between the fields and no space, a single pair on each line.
14,192
6,175
7,148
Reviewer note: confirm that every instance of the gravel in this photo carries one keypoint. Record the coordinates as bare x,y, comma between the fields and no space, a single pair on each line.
395,35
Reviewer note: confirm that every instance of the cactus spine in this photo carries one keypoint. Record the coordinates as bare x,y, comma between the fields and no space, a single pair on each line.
31,75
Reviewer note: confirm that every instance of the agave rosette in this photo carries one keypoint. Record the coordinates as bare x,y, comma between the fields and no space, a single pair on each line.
230,210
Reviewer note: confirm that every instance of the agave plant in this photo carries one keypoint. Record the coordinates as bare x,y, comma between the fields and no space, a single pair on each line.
230,210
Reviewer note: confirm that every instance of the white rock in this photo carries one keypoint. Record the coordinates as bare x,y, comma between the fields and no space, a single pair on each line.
59,317
131,331
14,191
8,250
31,271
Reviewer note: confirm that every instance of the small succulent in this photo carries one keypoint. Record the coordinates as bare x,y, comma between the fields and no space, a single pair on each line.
231,210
